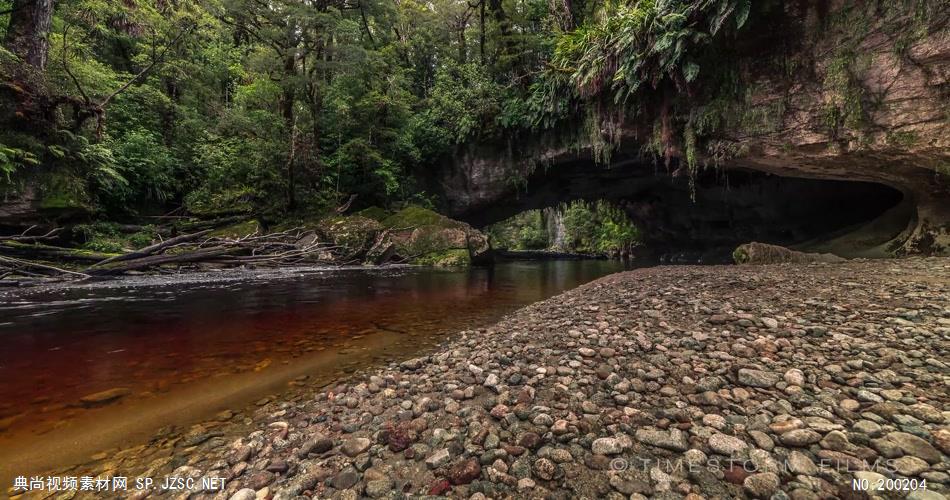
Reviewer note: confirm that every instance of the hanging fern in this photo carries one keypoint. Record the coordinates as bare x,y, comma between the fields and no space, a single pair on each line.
634,60
12,159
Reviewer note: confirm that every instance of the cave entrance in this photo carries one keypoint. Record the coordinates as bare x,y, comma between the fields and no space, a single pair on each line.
723,208
576,229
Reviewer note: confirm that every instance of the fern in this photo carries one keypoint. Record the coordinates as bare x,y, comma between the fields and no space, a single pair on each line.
12,159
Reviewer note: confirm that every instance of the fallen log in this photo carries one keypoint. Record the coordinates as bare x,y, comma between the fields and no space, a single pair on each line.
42,267
48,252
158,260
24,237
151,249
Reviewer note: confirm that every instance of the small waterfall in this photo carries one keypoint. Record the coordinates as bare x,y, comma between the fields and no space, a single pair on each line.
554,226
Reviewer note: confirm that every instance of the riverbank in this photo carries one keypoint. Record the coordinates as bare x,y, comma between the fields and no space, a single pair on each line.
642,383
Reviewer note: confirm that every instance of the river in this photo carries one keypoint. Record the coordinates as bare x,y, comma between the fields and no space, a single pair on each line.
183,348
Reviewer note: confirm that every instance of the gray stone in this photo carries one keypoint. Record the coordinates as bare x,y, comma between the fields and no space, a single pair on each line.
606,446
243,494
727,445
757,378
345,479
836,441
438,459
799,463
868,427
761,485
674,440
910,466
379,488
799,437
913,445
354,446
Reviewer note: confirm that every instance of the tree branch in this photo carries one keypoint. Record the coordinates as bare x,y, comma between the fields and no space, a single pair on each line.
72,77
155,61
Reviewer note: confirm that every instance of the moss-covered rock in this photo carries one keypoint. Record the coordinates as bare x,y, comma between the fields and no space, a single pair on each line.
238,230
353,234
375,213
762,253
428,238
43,195
413,235
449,258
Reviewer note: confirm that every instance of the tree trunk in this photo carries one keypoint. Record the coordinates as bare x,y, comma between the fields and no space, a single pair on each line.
463,50
481,31
504,38
28,31
287,111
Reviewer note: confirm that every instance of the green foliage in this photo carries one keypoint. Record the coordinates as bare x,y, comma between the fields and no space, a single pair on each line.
227,106
107,237
591,228
525,231
465,101
647,60
597,228
147,165
11,159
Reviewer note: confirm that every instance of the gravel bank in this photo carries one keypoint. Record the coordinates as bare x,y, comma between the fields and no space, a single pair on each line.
669,382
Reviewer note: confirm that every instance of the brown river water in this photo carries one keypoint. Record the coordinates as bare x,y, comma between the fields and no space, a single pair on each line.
184,348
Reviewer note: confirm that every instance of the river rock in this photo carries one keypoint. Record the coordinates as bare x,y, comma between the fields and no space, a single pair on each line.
438,459
606,446
910,466
315,445
379,488
795,377
835,440
674,440
727,445
464,472
104,397
243,494
757,378
799,463
942,440
800,437
915,446
345,479
761,485
354,446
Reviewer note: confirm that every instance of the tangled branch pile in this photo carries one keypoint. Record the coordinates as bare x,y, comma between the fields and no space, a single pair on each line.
291,247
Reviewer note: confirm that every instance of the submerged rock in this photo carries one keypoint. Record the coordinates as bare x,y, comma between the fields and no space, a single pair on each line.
105,397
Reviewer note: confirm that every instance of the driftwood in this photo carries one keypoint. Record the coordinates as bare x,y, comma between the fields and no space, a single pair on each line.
189,251
158,260
41,267
24,237
152,249
49,252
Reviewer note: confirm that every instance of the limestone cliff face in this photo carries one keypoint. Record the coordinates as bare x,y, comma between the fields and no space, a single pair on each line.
864,97
869,109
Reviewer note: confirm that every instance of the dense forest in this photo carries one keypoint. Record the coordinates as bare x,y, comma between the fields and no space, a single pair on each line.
116,109
138,106
579,227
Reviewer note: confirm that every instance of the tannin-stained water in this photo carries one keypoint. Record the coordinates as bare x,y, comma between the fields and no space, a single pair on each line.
159,338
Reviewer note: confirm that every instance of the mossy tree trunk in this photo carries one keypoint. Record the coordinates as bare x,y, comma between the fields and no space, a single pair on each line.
28,31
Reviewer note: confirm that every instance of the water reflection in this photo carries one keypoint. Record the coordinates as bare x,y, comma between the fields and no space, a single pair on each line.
56,347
